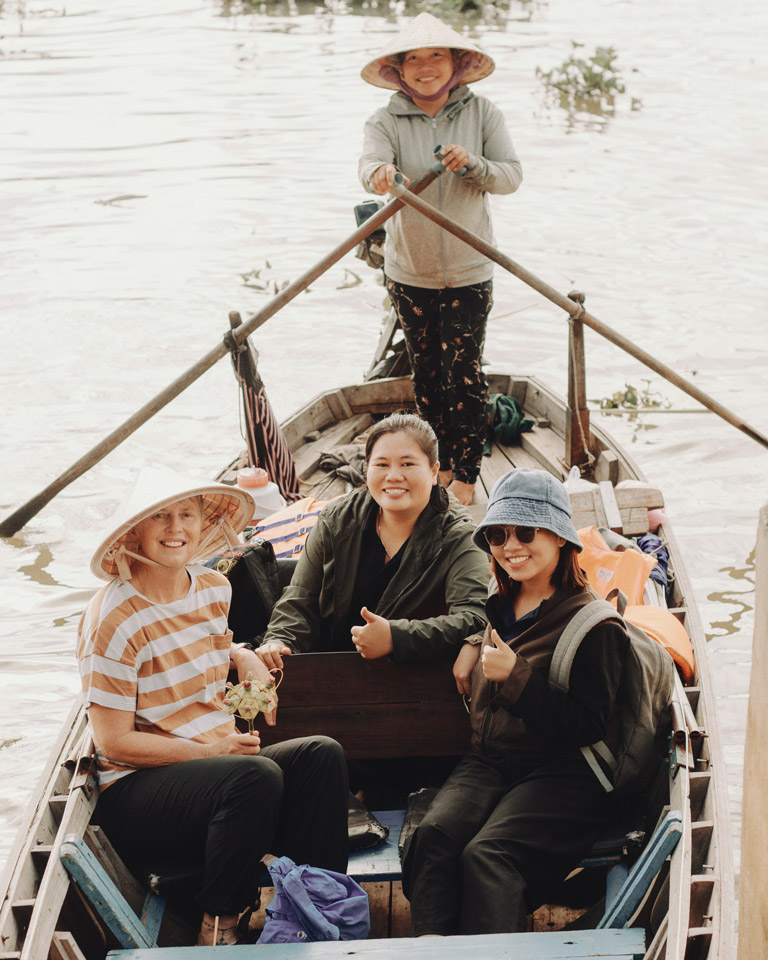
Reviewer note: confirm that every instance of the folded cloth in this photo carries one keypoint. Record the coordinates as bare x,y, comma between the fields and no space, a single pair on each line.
505,421
346,461
364,829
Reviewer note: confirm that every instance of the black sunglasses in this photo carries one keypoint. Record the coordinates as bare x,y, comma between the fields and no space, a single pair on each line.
498,536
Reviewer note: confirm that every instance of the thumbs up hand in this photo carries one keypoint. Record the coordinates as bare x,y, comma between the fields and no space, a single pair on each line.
498,660
374,639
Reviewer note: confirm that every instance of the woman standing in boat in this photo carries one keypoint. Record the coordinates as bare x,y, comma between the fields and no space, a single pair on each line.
440,287
179,786
390,569
521,809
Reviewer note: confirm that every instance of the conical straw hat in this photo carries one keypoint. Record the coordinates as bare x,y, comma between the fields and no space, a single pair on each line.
226,510
426,31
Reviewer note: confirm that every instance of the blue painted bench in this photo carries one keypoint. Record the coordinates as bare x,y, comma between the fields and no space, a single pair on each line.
608,944
611,939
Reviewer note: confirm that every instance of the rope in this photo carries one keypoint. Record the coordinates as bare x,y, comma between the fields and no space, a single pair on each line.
578,299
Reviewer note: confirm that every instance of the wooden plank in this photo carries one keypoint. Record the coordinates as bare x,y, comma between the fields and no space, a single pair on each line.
351,680
610,506
55,882
664,840
541,402
607,467
400,924
307,456
545,446
753,905
701,838
103,894
626,944
633,503
424,729
702,888
316,415
379,902
64,947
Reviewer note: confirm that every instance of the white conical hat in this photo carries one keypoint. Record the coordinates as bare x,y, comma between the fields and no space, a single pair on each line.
426,31
226,510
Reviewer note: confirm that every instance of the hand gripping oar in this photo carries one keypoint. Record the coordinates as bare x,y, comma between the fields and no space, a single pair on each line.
576,310
24,514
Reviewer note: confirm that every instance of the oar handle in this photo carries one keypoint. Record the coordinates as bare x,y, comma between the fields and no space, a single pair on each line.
436,151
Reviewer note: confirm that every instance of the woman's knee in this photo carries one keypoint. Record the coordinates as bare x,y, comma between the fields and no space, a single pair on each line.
251,776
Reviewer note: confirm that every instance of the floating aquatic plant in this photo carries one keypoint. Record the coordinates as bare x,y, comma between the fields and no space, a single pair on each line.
586,82
630,398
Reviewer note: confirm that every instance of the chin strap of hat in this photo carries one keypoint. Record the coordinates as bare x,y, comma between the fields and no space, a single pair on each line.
123,566
219,525
467,60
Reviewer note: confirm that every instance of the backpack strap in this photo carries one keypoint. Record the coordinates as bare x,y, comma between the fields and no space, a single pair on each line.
577,628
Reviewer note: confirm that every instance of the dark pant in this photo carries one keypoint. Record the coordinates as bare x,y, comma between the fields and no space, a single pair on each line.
444,334
495,840
223,814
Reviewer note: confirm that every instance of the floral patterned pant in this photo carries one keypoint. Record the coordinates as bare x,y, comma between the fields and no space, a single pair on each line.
444,334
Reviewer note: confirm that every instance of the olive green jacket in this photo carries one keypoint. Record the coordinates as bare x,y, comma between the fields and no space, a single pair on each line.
435,599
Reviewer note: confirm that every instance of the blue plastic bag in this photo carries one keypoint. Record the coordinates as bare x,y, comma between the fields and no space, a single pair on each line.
312,904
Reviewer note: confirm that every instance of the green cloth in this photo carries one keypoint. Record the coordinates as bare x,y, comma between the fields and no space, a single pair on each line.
505,421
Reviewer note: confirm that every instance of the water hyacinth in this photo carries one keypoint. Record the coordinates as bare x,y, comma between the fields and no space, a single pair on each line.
251,697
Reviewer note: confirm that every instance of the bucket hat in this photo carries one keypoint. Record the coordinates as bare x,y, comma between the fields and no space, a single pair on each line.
529,498
226,510
426,31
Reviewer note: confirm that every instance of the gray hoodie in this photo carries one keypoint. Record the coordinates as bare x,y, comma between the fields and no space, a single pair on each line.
418,252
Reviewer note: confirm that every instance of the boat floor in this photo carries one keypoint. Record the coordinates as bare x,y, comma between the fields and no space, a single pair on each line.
343,416
623,944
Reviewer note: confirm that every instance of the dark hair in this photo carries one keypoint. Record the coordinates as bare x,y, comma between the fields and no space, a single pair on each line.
408,423
567,573
455,54
426,440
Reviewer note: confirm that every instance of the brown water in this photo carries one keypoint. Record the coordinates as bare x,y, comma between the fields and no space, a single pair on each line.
162,164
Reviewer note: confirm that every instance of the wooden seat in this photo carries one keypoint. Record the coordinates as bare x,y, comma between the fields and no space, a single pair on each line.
606,944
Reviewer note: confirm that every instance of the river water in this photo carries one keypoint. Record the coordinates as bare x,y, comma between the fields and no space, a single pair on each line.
165,161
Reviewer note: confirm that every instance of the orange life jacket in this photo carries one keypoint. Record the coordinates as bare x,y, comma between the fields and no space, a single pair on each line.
608,569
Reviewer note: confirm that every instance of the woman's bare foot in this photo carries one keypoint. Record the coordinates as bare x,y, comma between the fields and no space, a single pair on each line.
464,492
444,477
217,931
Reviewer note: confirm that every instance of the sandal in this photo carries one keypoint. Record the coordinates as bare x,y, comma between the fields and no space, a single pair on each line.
218,935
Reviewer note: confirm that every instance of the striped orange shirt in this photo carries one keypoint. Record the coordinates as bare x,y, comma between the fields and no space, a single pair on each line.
165,662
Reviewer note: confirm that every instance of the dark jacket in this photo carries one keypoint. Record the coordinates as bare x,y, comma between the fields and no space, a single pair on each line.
434,601
524,713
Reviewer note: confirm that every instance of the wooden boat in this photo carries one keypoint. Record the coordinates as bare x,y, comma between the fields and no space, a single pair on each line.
688,905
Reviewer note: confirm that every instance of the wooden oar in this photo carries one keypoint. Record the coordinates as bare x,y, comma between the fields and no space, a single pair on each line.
24,514
576,310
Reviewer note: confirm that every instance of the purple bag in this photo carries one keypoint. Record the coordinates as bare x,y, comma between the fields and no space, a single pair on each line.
313,904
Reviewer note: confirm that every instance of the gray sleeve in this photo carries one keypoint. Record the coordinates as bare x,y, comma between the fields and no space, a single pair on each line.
378,146
498,170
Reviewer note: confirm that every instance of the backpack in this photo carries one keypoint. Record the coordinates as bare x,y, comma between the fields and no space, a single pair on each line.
312,904
252,571
643,698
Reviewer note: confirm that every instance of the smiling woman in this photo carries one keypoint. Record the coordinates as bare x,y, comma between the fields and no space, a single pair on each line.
523,806
441,289
154,651
390,569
